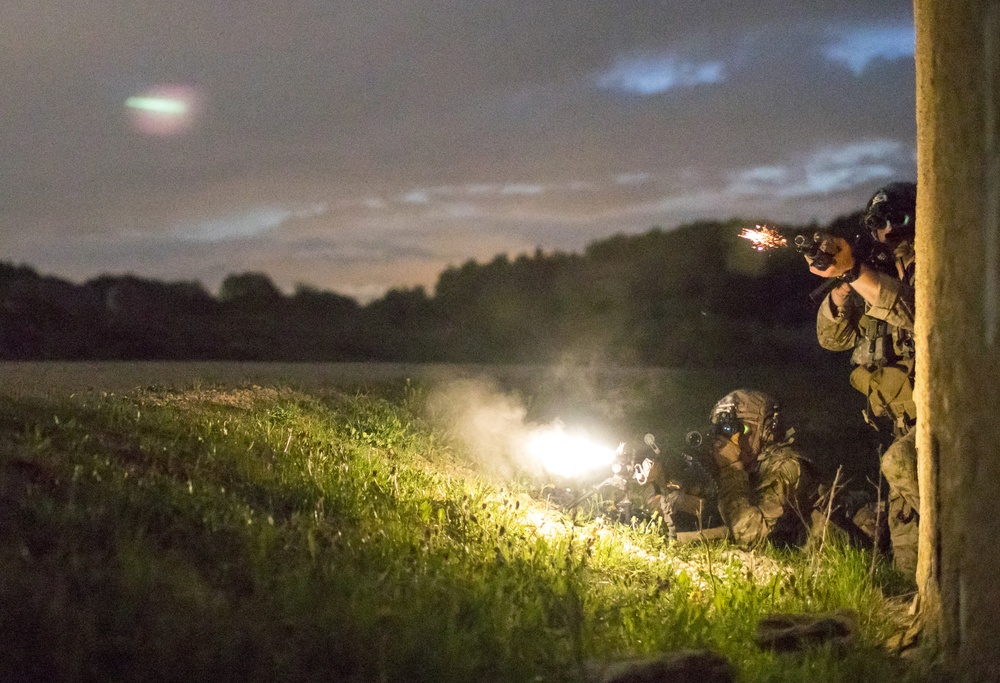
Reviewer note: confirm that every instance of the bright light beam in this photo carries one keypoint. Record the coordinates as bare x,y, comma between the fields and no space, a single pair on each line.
568,455
159,105
164,110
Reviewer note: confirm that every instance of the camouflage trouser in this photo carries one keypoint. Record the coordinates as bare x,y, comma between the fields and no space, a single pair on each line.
899,467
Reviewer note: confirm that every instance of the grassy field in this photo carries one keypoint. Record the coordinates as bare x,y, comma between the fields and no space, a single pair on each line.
340,529
620,402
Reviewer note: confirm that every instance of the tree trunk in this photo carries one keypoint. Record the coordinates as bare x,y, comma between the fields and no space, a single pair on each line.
958,329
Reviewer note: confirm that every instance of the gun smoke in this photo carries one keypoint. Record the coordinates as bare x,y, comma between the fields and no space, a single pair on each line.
495,427
489,422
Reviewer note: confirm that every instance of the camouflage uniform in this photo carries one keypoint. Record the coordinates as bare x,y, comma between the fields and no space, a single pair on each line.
881,336
771,499
766,491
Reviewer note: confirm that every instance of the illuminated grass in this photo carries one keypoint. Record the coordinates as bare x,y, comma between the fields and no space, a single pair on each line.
266,535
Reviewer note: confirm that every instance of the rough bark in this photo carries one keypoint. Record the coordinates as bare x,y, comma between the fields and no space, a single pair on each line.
958,333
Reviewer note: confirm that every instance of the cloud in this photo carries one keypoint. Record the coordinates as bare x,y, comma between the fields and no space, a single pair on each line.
826,170
439,130
859,46
657,75
249,223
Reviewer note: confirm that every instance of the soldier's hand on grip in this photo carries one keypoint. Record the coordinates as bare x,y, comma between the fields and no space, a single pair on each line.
726,452
834,254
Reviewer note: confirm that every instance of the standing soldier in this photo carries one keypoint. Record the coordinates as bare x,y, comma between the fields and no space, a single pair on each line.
872,312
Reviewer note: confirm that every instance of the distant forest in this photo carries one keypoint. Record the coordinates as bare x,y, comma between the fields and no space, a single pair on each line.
696,295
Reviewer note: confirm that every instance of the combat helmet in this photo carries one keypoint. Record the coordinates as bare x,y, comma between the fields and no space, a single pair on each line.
746,411
896,205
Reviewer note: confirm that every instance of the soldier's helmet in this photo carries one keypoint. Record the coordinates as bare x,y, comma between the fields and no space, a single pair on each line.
746,411
894,204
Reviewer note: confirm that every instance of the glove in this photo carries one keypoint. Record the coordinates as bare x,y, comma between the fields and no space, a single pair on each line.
839,257
726,452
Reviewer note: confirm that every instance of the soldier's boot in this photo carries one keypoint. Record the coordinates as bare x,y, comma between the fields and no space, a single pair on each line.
904,535
871,519
867,519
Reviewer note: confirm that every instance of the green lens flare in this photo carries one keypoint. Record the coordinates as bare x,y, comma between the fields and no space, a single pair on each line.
160,105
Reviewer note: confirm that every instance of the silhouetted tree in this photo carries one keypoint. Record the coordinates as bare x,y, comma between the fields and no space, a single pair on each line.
695,295
254,289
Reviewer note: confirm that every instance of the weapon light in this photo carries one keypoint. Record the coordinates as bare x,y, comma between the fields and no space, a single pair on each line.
566,454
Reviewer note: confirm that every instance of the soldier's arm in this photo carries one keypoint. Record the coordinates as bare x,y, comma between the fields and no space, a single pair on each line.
777,485
751,515
745,520
837,321
889,298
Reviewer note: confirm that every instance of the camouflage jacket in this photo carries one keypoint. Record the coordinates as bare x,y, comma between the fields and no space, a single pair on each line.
881,336
770,499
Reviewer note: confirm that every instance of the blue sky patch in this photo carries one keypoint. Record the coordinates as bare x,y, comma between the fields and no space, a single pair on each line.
857,46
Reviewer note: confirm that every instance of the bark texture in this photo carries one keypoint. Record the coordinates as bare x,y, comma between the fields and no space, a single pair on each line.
958,333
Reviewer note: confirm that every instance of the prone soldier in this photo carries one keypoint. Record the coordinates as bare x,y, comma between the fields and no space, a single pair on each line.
766,489
763,489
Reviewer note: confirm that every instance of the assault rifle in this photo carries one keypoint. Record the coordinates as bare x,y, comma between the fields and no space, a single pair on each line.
672,473
623,468
685,481
863,248
821,249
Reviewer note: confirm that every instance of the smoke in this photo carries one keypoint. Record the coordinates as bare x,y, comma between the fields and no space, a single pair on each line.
491,423
500,438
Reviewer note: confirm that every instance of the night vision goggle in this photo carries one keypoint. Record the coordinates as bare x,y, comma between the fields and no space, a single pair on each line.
882,215
728,424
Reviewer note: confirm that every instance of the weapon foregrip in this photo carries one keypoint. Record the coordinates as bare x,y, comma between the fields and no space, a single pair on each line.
828,285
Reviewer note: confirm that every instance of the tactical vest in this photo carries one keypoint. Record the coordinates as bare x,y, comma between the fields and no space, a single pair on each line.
884,362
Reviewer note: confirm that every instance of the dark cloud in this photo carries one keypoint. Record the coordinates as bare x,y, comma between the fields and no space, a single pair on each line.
442,129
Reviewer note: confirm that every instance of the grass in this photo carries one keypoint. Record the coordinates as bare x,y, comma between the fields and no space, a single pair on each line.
260,534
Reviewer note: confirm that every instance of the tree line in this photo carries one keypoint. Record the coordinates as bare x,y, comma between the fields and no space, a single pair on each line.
696,295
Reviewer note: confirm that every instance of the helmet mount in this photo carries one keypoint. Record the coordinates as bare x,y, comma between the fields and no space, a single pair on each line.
894,207
748,412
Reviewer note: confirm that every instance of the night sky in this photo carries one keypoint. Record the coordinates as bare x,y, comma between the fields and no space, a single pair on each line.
361,145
